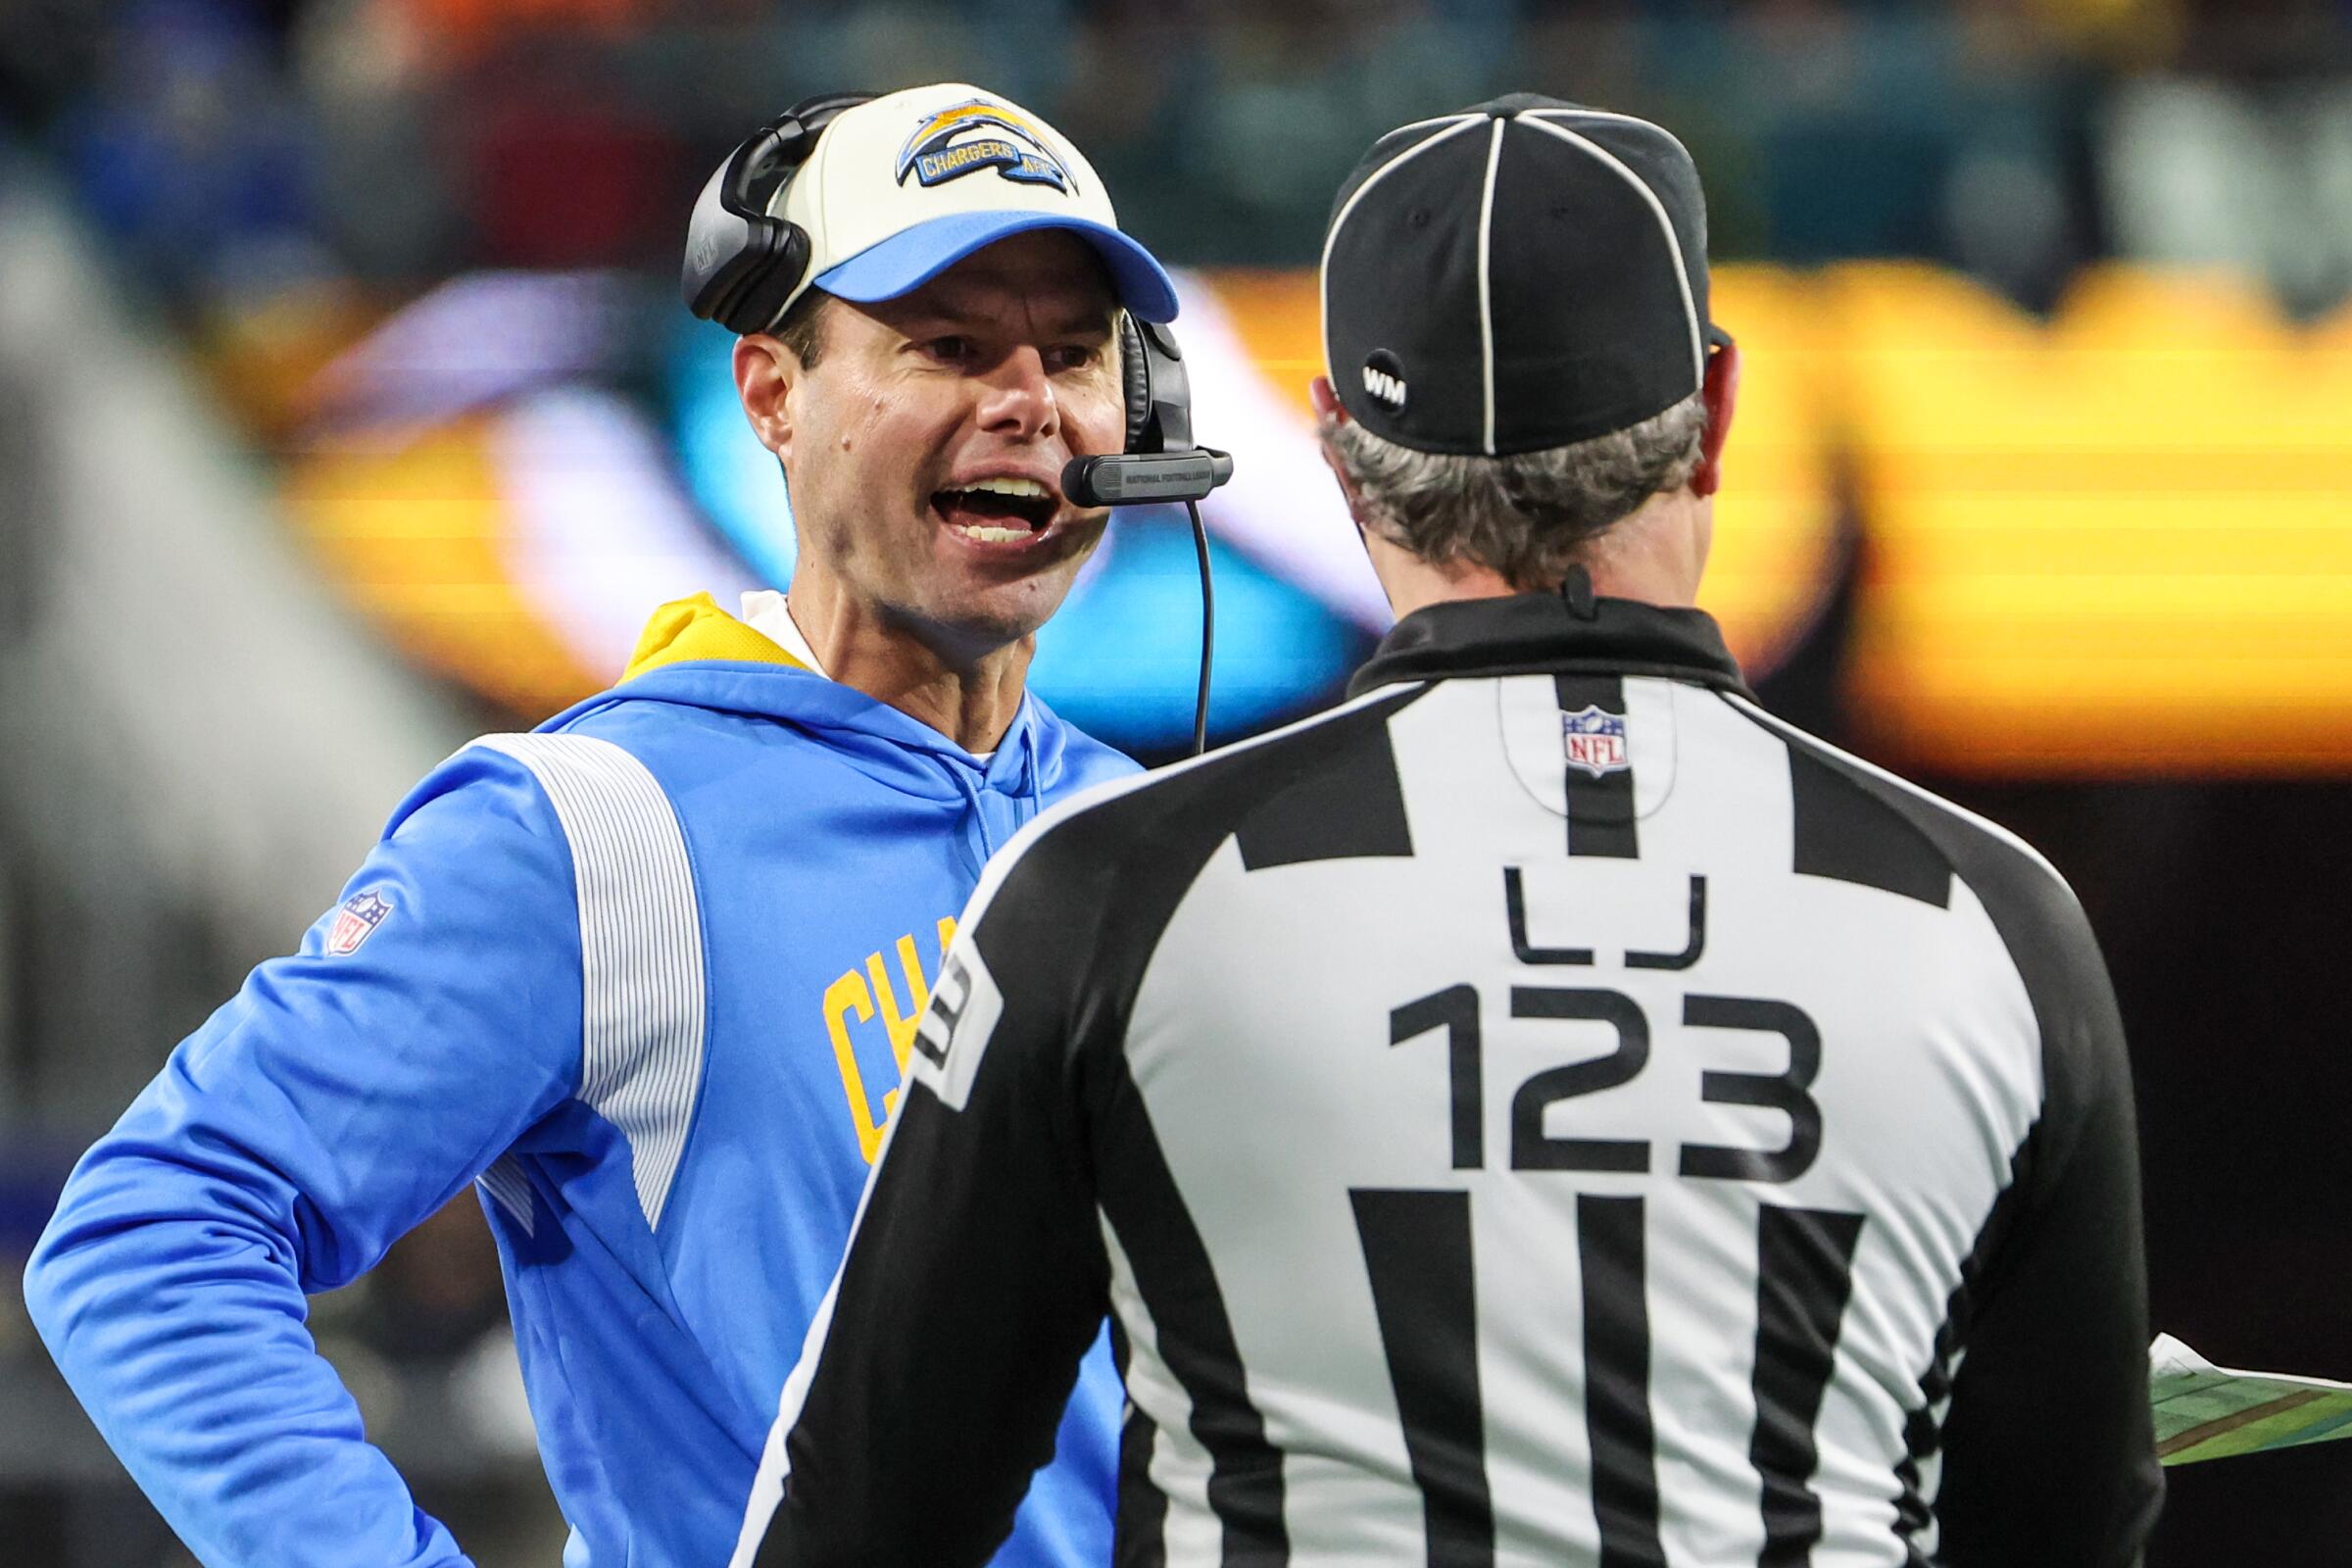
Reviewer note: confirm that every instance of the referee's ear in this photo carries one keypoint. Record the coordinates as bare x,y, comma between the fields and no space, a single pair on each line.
1328,415
1720,394
764,372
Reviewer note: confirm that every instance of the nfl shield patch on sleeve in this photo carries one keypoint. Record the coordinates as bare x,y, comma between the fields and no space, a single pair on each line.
356,922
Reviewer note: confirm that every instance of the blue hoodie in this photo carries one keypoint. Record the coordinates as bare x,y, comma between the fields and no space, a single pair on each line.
648,975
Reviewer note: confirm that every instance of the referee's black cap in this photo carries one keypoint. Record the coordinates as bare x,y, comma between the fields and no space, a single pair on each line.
1522,274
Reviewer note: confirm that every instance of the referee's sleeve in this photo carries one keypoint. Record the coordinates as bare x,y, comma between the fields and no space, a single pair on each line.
936,1373
2048,1450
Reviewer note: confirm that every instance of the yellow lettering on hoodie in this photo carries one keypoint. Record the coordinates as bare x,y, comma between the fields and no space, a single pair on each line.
852,998
842,996
899,1023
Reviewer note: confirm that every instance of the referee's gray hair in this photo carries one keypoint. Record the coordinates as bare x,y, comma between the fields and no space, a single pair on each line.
1527,516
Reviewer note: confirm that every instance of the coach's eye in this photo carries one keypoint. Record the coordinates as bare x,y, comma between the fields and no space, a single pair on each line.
1073,357
950,350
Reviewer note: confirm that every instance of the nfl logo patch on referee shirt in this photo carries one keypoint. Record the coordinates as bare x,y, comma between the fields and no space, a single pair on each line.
356,922
1595,741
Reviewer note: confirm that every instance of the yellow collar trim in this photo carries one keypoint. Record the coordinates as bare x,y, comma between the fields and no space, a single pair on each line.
695,628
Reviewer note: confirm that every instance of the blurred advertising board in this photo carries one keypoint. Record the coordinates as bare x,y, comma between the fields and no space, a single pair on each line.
2113,543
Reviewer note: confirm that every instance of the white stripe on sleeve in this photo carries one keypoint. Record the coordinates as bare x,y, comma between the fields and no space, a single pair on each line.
641,948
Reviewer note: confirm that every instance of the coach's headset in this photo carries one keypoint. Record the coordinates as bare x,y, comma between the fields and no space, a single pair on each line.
744,262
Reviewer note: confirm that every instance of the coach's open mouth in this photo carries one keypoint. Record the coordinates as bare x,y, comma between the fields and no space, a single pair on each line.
1000,509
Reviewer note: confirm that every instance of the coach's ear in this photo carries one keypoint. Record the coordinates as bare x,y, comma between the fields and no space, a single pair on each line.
764,372
1329,416
1720,394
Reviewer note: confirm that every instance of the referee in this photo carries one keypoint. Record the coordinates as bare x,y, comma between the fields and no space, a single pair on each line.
1545,1109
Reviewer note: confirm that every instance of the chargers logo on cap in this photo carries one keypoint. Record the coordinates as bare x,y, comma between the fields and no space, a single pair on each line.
933,155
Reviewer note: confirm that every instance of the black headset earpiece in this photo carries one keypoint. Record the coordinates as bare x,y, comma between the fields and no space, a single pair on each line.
1160,462
742,265
1160,465
1135,370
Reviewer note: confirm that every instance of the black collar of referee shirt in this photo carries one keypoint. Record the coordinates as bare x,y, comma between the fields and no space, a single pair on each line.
1551,633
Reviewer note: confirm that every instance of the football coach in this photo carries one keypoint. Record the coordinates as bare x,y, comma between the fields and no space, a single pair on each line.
646,975
1546,1108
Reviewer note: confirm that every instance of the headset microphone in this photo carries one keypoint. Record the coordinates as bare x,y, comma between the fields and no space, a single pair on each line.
1137,480
1160,465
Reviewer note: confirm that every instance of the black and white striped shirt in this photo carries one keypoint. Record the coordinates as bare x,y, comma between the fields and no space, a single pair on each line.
1545,1110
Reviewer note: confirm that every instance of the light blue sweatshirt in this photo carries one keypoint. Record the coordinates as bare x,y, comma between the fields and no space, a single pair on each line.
647,975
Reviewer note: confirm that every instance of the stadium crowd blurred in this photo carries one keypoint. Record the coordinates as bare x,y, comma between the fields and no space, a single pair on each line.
246,153
270,173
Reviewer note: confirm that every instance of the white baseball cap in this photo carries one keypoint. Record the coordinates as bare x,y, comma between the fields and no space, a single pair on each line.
901,188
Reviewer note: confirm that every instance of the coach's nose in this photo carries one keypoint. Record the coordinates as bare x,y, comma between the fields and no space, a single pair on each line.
1017,398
